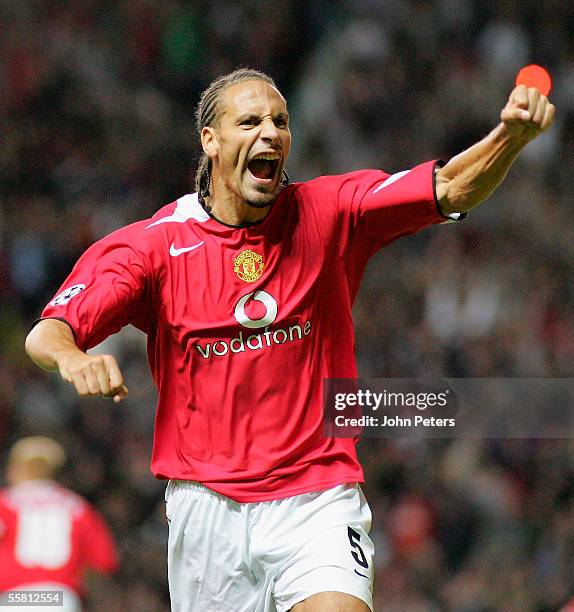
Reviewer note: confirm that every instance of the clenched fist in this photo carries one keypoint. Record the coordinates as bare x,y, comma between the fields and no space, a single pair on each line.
527,113
51,345
93,375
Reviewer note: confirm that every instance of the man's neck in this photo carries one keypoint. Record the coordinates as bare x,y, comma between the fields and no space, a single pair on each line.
232,210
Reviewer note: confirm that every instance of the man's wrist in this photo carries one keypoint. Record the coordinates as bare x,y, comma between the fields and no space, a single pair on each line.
515,137
64,355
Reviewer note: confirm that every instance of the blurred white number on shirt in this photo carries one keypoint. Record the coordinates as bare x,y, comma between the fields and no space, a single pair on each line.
44,537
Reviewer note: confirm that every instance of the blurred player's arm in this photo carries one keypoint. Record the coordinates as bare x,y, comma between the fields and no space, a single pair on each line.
99,554
470,177
51,346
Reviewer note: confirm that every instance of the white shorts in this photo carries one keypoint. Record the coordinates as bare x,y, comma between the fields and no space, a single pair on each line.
225,556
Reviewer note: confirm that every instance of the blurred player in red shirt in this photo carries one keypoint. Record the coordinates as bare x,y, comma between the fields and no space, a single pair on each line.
49,536
245,290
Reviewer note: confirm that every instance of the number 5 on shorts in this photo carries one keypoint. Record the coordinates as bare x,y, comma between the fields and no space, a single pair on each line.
358,554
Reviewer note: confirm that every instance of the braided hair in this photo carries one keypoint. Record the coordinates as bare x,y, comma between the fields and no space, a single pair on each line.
207,115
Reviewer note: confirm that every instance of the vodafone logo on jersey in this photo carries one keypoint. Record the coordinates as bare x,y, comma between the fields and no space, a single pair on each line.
267,300
257,341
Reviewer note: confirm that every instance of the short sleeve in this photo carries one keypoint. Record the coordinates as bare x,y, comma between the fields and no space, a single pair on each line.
107,289
97,544
384,207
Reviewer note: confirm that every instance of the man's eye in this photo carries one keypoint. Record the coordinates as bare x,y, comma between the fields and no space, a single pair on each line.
248,122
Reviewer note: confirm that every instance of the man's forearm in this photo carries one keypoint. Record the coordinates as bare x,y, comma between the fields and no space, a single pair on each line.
470,177
51,346
48,341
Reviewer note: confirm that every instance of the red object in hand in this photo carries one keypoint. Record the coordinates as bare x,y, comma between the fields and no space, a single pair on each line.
535,76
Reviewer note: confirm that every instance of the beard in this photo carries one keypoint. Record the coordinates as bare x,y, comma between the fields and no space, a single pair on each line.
266,198
261,204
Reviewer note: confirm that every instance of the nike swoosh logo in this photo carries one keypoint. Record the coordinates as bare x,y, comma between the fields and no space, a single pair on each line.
175,252
363,575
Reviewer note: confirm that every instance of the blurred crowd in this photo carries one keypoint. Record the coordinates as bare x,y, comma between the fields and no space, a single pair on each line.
96,107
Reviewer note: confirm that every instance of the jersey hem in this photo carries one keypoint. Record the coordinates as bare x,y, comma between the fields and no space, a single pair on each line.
439,163
312,488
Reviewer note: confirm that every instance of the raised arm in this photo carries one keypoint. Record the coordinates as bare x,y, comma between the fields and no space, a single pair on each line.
470,177
51,346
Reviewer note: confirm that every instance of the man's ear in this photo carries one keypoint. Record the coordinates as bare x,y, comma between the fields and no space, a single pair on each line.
209,141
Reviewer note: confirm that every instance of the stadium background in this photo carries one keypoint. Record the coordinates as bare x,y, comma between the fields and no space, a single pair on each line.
97,131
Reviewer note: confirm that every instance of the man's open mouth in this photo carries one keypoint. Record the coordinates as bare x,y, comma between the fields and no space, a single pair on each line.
264,167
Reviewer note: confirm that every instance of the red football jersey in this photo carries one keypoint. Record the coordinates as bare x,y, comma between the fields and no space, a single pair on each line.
244,323
50,535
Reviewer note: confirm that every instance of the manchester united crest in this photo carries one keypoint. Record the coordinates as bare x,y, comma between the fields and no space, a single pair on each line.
248,265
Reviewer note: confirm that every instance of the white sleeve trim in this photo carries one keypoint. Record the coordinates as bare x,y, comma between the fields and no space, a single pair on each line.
390,180
188,207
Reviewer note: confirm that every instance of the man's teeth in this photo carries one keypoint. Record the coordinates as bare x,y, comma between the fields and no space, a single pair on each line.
267,156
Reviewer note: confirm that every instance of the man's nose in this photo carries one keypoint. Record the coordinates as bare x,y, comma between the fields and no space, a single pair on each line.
269,130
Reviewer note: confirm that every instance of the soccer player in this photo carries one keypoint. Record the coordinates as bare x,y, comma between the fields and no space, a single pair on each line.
245,290
49,536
